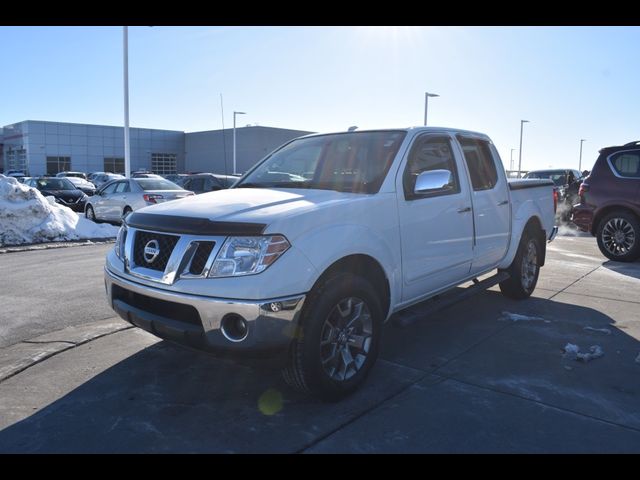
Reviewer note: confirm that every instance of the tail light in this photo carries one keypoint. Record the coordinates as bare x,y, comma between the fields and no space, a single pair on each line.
584,188
152,197
555,200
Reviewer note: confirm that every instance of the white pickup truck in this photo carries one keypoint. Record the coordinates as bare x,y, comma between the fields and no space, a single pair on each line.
323,241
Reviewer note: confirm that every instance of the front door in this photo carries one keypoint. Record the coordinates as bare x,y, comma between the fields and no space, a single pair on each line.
436,227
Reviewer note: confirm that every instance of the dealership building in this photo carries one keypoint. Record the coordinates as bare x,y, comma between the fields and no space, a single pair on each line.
40,148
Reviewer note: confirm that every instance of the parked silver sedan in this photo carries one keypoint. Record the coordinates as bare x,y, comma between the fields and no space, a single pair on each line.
116,199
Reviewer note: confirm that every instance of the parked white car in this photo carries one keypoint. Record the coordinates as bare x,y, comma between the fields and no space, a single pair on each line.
117,199
323,241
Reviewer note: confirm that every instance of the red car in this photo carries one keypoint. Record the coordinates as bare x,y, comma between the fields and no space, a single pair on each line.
609,205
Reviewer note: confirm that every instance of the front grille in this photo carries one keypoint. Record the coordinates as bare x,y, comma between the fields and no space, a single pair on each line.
178,312
166,244
200,257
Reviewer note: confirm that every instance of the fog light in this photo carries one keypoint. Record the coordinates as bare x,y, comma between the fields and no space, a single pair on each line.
234,327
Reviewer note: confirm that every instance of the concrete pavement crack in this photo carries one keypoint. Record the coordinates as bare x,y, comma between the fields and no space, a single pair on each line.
52,354
574,282
545,404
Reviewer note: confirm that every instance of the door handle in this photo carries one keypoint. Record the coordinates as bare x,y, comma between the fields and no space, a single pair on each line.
464,209
504,202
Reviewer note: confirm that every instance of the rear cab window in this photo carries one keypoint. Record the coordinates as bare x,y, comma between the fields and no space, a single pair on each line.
480,163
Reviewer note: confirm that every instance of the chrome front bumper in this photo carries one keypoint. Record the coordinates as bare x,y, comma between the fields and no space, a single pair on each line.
554,232
271,323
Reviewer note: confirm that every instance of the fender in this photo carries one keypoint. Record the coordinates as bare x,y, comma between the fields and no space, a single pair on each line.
326,246
525,211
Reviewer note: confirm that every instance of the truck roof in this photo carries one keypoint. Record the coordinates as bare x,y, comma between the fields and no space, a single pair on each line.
409,129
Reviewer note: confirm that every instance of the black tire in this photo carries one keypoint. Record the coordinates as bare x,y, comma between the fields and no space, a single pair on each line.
618,236
126,211
328,305
90,214
524,269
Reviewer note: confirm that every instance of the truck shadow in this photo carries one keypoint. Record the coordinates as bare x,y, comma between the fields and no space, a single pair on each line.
165,398
629,269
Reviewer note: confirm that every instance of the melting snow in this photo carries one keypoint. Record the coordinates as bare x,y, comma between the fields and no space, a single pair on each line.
26,216
516,317
573,352
606,331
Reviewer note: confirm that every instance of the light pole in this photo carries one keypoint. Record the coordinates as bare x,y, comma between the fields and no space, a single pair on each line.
522,122
580,162
234,139
426,104
511,161
127,146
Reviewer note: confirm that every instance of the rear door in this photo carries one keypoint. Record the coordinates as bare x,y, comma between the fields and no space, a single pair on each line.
490,198
436,228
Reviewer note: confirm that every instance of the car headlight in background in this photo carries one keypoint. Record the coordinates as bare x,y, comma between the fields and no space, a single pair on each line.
120,239
248,255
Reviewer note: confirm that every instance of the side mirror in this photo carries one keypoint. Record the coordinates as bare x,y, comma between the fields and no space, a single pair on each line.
433,180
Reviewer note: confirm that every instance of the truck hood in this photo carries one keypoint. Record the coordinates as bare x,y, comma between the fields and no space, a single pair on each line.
252,205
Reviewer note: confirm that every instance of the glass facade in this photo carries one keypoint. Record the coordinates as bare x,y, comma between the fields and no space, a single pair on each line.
58,164
164,163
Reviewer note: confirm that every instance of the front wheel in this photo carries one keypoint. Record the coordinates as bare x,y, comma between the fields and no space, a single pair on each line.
618,237
338,339
524,269
90,214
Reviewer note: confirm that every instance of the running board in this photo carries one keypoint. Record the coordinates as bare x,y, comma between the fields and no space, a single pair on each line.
412,314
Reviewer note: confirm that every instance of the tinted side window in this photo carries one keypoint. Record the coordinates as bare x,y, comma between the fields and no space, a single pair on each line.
110,188
482,168
429,153
196,184
626,164
122,187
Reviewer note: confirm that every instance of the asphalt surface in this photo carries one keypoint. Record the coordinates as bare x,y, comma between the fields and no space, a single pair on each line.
485,375
46,290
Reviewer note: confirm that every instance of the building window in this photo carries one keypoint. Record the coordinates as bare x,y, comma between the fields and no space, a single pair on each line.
163,163
17,160
58,164
114,164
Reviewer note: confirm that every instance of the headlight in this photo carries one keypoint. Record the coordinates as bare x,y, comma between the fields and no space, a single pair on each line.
247,255
120,239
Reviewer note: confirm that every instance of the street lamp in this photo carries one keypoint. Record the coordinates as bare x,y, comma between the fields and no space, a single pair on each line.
522,122
580,162
426,104
511,160
127,146
234,139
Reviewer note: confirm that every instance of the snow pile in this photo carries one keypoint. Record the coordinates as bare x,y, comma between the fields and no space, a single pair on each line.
606,331
516,317
26,216
573,352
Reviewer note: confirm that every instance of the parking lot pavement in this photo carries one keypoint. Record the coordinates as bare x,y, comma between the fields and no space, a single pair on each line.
43,291
486,375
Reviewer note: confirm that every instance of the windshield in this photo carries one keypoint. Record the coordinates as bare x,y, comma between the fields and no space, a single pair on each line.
346,162
55,184
156,184
558,178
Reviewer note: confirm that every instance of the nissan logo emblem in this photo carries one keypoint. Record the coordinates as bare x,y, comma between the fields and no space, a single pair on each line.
151,251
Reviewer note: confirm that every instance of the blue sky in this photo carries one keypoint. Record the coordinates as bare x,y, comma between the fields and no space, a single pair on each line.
570,82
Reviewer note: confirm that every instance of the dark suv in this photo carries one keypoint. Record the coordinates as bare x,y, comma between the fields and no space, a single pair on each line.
609,205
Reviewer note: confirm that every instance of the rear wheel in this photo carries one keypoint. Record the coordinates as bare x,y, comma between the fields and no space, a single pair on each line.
618,236
524,269
338,340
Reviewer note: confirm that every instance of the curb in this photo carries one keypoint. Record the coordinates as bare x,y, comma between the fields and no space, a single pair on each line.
27,353
49,245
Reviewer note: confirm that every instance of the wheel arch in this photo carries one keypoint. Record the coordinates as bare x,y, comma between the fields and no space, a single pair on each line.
366,267
603,212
